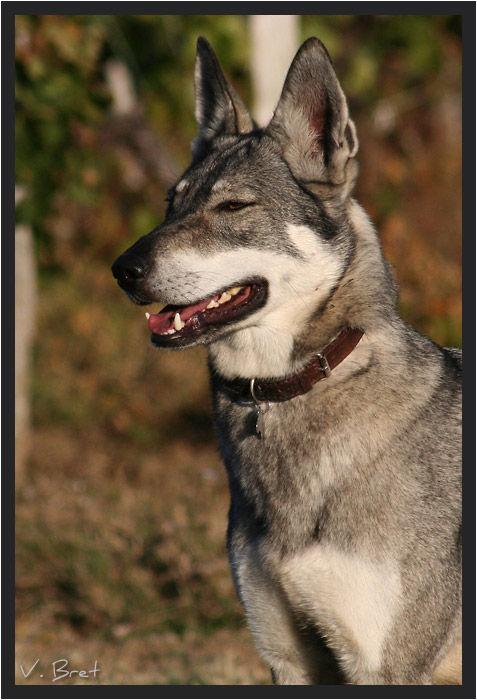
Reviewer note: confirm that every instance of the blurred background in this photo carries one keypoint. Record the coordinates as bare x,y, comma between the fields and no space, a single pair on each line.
121,497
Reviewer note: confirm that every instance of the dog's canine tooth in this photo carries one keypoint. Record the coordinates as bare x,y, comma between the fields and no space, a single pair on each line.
147,315
178,323
225,297
234,290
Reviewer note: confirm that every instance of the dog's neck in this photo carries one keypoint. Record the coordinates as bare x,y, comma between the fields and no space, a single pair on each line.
285,340
318,368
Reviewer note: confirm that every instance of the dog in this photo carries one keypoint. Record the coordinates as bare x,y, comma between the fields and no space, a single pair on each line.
338,423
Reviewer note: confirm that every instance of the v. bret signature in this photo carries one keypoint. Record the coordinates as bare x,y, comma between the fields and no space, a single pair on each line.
60,670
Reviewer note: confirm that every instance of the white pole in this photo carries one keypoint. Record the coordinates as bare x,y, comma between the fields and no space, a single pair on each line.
25,314
274,43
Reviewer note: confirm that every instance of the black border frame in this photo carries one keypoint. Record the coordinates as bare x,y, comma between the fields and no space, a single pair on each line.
468,11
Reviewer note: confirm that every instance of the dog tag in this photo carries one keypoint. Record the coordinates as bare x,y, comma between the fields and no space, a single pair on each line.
260,410
260,423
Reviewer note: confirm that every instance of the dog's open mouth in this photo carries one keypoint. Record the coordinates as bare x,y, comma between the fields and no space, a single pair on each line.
179,325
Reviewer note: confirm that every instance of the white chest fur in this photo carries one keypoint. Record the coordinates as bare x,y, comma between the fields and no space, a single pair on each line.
353,600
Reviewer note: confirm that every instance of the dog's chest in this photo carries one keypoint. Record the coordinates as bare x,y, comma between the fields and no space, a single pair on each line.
277,475
353,598
296,478
349,599
287,473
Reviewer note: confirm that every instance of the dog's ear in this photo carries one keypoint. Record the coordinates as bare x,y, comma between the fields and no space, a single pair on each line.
218,108
311,120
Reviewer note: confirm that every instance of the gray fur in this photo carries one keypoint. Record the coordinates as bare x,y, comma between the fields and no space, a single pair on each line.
345,523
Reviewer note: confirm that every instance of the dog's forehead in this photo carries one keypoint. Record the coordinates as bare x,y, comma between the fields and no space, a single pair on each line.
239,161
220,185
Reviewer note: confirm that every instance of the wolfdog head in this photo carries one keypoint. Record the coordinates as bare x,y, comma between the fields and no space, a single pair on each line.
257,234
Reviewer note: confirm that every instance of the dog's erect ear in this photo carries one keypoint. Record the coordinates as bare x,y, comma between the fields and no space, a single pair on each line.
218,108
311,120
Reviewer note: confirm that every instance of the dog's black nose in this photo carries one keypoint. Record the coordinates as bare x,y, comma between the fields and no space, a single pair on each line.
128,269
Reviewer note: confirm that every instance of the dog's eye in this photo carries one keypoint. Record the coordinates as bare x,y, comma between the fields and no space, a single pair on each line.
233,206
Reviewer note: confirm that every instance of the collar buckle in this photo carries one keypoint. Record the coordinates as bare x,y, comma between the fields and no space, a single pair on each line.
324,366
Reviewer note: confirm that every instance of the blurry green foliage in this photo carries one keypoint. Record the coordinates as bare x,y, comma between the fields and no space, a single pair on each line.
60,100
363,46
65,163
160,50
67,166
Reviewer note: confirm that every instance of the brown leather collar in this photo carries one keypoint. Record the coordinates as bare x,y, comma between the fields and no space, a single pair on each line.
319,367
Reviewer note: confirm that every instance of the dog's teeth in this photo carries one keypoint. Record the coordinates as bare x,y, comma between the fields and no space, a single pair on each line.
178,323
225,297
171,331
212,304
147,315
234,290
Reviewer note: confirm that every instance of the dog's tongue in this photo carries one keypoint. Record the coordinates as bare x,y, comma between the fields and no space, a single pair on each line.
164,320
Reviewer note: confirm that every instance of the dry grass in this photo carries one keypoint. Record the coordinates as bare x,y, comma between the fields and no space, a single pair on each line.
121,559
